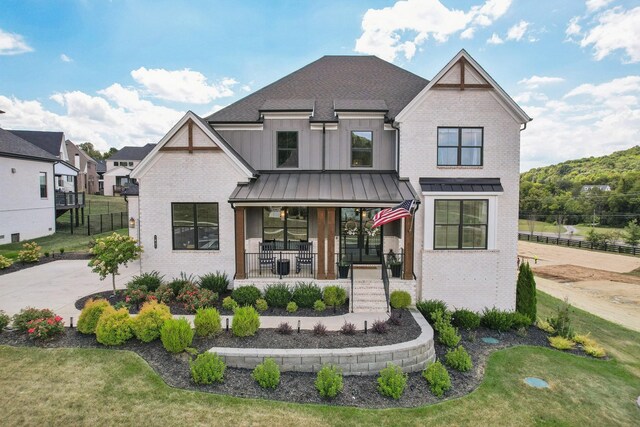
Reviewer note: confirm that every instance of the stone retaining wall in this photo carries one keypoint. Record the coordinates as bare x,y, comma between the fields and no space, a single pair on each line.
410,355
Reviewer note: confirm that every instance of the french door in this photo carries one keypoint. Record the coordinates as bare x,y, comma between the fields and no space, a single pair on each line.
359,241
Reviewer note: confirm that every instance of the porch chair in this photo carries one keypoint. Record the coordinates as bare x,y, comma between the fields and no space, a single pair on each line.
305,256
266,256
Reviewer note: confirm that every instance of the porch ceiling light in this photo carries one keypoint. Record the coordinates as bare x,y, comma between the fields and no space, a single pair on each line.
282,213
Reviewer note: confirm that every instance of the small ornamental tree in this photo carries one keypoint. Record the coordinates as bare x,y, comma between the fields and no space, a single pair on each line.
110,252
526,292
632,233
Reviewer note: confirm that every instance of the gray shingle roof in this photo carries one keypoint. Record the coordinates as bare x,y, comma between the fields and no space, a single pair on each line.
480,185
12,145
360,105
131,152
327,79
288,105
48,141
101,167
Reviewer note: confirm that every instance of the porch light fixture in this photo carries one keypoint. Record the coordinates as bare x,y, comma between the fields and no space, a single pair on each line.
282,213
132,222
364,214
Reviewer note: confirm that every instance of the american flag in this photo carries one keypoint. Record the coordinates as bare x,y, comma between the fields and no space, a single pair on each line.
403,210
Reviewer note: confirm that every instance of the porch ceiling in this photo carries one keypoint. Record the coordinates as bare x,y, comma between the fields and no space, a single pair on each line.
332,188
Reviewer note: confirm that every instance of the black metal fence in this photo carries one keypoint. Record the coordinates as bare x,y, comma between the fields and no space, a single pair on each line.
581,244
281,265
95,224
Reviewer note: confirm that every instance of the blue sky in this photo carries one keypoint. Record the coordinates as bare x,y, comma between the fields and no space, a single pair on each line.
122,72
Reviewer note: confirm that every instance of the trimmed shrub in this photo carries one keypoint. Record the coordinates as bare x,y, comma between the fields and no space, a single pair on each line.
545,326
292,307
176,335
306,294
284,329
246,295
277,295
207,322
497,320
164,294
28,314
194,298
334,296
465,319
319,329
148,323
526,303
261,305
329,381
246,321
176,285
150,281
595,351
229,303
561,343
380,327
4,320
400,299
5,262
392,381
447,334
519,320
90,315
437,377
429,306
30,252
458,359
114,327
348,328
561,323
319,306
208,368
267,374
217,282
135,294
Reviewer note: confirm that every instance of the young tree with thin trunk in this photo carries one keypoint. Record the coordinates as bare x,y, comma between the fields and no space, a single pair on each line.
110,252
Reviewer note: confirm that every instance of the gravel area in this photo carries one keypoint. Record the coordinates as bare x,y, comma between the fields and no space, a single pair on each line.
18,265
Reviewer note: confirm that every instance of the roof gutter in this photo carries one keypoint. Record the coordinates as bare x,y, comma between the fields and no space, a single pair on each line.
324,134
397,128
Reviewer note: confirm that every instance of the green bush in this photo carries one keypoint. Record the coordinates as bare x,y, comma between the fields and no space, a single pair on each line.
4,320
447,334
149,321
400,299
277,295
392,381
246,321
90,315
135,294
194,298
261,305
207,322
150,281
5,262
114,327
465,319
319,306
176,285
526,302
216,282
176,335
30,252
429,306
561,343
329,381
561,323
519,320
458,359
334,296
437,377
267,374
28,314
246,295
208,368
164,294
306,294
497,320
292,307
229,303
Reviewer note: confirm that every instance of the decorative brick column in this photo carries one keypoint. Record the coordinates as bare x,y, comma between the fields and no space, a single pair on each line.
239,235
407,274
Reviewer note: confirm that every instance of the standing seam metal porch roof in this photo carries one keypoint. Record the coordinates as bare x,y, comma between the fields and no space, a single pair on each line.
373,188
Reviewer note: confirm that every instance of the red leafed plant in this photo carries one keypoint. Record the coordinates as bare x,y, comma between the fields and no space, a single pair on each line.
194,298
45,328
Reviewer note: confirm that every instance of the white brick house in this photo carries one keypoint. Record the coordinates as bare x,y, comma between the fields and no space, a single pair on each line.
278,187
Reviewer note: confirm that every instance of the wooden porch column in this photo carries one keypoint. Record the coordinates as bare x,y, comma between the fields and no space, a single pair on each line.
331,243
321,236
407,274
239,234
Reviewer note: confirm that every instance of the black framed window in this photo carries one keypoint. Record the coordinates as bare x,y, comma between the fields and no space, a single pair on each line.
43,185
287,156
195,226
361,149
460,146
285,227
461,224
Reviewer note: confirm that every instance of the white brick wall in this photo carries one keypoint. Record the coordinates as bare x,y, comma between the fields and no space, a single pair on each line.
473,279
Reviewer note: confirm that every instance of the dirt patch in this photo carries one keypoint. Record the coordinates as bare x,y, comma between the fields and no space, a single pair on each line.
573,273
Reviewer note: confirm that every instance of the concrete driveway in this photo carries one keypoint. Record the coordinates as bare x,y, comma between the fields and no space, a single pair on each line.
56,285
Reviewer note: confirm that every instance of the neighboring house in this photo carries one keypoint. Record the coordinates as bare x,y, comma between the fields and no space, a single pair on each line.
284,183
599,187
119,167
87,175
27,209
101,168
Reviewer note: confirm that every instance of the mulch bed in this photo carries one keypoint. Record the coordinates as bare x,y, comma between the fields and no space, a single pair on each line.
178,308
299,387
18,265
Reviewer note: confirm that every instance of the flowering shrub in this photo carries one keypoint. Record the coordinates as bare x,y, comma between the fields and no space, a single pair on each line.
148,323
28,314
114,327
135,296
45,328
5,262
164,294
30,252
90,315
112,251
194,298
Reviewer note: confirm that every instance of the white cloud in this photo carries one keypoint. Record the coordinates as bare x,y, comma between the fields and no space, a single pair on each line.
182,85
468,33
400,29
13,44
574,28
593,5
246,88
517,31
495,39
537,81
616,29
529,96
65,58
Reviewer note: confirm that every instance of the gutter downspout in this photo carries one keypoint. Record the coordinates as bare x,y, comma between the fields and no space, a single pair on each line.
397,145
324,132
524,128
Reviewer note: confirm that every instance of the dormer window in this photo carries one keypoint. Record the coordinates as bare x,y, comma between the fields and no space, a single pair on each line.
287,156
460,146
361,149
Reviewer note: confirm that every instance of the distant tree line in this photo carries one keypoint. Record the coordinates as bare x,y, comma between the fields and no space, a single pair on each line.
88,148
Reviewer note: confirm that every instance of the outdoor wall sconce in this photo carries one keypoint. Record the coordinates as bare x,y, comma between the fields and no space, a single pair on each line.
364,214
13,170
155,241
132,223
282,213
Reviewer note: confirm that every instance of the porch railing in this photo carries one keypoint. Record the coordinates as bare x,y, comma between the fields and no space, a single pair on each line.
281,265
385,282
70,199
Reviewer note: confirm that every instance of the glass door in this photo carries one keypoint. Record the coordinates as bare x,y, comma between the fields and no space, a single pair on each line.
359,241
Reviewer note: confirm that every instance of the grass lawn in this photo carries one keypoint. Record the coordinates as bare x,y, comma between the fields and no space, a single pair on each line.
105,387
539,227
583,229
96,204
53,243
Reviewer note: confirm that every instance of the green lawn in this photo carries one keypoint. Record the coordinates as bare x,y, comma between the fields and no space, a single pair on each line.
546,227
96,204
107,387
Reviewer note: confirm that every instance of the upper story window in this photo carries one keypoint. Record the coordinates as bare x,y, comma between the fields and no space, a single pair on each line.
116,163
43,185
461,224
287,156
460,146
195,226
361,149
